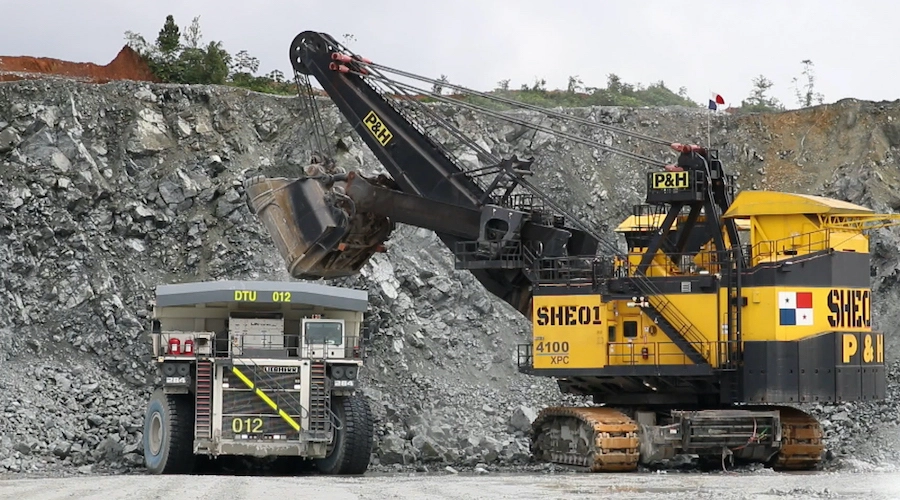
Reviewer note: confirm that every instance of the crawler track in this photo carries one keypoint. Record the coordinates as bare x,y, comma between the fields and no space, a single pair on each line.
602,439
606,440
802,437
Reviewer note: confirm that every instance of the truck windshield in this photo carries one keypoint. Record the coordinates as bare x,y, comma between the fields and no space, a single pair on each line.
324,333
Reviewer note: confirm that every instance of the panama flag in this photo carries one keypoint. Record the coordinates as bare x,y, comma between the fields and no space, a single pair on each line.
715,100
795,308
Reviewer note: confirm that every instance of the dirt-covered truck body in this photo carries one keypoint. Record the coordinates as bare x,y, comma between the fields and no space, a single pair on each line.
259,369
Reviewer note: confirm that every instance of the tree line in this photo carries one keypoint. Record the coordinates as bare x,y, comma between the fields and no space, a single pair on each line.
804,91
177,56
181,56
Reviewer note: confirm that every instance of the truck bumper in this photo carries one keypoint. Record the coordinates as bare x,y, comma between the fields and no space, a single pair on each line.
260,448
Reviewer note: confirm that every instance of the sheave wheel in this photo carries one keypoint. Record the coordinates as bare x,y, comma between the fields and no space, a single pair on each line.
351,449
169,434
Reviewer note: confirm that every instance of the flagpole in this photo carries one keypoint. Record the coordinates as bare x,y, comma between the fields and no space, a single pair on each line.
708,142
714,102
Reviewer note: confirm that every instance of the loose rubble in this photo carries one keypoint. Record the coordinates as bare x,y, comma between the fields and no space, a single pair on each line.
109,190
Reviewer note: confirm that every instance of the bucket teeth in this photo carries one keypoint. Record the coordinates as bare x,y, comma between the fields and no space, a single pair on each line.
602,439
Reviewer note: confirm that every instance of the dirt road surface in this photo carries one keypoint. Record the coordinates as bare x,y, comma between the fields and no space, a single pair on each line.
765,485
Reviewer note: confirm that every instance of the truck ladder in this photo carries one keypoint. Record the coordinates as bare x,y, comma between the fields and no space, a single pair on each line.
319,404
203,401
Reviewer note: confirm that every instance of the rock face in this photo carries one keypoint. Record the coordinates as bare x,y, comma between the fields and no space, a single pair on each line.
107,191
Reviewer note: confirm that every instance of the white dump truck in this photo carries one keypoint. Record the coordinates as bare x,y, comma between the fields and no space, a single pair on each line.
258,369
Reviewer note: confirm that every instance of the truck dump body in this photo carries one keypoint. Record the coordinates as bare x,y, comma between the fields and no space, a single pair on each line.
221,292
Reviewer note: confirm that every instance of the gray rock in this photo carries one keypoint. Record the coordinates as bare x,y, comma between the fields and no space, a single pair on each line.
393,451
150,134
171,193
9,139
62,448
521,418
60,161
145,94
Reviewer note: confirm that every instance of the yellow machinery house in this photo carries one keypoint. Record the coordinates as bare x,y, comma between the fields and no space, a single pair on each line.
766,301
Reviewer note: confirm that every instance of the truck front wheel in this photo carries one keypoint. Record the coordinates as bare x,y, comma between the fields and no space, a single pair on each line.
169,434
351,450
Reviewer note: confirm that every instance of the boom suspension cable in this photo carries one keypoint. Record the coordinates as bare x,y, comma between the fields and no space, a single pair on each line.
519,121
523,105
317,143
419,106
369,70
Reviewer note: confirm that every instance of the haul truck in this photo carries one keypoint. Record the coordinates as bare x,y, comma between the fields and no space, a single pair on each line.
258,369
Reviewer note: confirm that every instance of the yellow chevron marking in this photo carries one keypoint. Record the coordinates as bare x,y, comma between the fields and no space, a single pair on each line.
242,377
265,398
289,420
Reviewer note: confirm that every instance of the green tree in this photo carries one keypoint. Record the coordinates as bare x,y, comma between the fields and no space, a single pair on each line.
169,36
438,87
614,83
540,84
807,95
575,84
243,62
215,62
192,35
759,100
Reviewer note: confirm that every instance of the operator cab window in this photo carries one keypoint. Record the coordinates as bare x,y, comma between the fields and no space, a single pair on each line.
330,333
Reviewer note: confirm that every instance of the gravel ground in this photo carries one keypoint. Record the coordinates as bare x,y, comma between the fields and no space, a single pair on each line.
756,486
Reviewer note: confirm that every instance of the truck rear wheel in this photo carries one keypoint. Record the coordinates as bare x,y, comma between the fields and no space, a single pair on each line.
169,434
351,449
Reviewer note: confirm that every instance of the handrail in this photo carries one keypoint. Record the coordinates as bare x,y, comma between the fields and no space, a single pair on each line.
284,346
765,250
281,389
634,356
675,264
715,261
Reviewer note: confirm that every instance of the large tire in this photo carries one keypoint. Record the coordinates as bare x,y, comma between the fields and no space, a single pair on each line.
169,434
351,450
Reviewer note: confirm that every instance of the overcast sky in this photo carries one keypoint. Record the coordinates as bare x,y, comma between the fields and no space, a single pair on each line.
704,45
